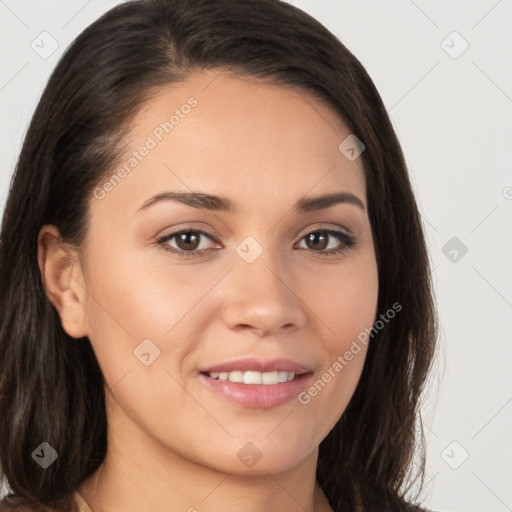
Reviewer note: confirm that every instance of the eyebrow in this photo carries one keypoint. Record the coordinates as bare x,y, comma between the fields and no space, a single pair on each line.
224,204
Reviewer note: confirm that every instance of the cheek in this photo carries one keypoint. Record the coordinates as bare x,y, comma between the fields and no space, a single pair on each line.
344,299
345,302
123,310
133,295
132,299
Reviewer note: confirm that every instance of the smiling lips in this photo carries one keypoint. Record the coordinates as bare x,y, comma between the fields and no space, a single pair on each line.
256,383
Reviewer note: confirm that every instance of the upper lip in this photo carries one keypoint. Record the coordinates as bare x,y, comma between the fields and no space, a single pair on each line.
259,365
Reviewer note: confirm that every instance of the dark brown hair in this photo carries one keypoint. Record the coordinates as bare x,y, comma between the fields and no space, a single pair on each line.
51,387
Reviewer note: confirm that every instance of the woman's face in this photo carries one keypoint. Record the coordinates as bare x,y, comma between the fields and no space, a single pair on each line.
258,287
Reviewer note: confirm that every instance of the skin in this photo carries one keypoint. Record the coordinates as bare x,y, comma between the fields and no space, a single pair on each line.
173,443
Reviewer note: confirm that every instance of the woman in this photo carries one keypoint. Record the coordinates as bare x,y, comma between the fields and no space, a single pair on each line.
215,286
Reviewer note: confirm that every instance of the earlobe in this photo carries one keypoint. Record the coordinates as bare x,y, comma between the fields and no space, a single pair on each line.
63,281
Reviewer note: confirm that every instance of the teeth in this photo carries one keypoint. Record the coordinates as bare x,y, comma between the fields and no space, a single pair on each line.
254,377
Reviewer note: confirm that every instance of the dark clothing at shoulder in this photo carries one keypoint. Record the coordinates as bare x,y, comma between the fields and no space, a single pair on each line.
12,503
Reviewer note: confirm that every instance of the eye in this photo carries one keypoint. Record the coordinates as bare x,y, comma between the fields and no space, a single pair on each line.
188,242
319,239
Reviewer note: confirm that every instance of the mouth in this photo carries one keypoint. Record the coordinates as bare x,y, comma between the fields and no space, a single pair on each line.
257,390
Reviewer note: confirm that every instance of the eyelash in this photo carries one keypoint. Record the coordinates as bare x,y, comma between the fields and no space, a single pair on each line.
347,240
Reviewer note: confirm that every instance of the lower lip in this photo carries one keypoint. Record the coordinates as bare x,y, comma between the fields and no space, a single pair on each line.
261,396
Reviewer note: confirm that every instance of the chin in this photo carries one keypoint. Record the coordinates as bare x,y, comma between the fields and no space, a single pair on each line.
260,458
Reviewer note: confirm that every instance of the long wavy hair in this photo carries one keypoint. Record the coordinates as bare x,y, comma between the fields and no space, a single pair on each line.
51,386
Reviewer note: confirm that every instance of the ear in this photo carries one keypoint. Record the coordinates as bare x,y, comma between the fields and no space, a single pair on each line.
63,280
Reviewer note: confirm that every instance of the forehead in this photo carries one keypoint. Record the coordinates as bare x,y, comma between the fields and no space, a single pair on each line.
237,137
235,107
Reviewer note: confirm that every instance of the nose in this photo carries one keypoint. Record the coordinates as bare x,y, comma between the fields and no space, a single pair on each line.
263,297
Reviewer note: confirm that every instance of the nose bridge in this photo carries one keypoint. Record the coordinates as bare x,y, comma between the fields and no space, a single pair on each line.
259,295
259,266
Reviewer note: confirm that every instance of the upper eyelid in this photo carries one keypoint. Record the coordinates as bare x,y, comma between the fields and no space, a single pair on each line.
339,229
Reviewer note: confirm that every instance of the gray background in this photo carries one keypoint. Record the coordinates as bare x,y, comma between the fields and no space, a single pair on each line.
452,109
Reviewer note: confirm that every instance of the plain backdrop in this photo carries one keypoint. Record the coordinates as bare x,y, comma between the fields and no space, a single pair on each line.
444,71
